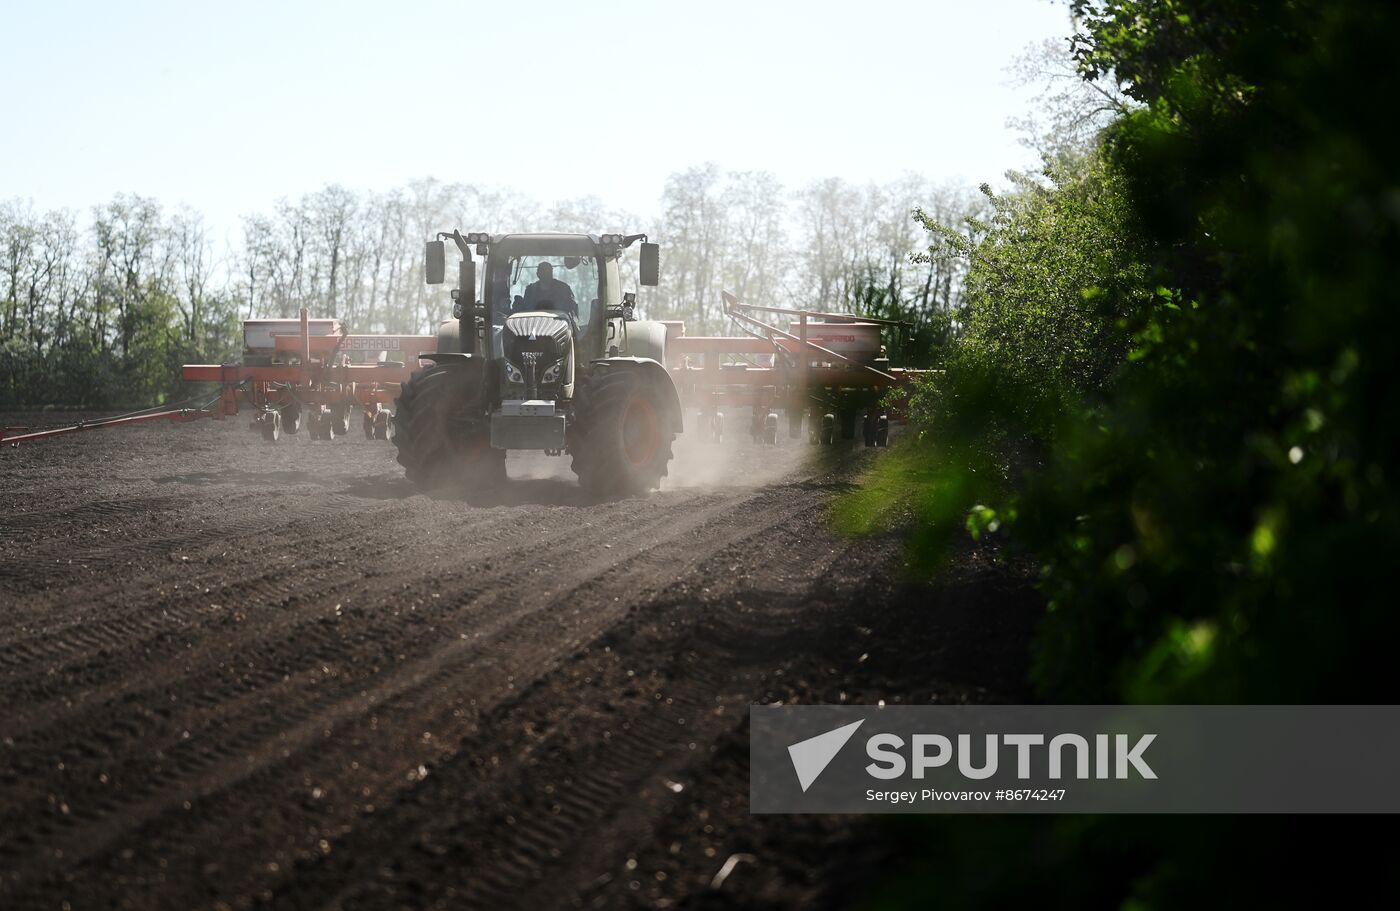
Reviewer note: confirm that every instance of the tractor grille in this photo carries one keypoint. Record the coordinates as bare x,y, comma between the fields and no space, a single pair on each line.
533,344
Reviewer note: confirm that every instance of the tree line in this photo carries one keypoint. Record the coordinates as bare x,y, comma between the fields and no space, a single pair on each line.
103,309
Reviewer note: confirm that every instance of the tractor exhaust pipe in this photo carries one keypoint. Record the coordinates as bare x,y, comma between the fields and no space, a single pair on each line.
466,299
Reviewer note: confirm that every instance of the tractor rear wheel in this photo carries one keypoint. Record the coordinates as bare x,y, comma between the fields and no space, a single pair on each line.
441,433
621,442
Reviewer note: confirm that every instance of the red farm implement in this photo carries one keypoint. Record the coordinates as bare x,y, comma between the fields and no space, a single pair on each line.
829,368
311,373
294,373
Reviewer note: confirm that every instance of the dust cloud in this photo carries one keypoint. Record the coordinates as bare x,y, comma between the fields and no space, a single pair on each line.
736,461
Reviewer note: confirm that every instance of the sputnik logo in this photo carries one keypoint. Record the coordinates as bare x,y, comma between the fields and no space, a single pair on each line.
811,756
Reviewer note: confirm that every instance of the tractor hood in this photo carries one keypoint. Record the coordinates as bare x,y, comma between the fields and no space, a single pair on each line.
536,325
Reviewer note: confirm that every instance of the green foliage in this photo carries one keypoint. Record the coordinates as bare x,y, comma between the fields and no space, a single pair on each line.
1173,391
106,318
1200,464
1229,503
1051,288
83,368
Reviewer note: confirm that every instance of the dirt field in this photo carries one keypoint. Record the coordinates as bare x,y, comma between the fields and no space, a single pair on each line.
235,674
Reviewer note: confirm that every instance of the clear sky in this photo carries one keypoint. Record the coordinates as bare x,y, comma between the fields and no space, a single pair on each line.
227,106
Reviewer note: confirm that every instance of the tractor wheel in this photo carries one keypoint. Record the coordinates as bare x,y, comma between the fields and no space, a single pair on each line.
381,424
317,426
340,420
882,431
271,426
368,423
291,416
622,434
828,431
442,437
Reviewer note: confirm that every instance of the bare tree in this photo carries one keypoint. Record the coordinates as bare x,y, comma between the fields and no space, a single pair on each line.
1069,111
189,240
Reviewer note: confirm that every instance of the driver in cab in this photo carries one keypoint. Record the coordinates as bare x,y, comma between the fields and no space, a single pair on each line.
549,293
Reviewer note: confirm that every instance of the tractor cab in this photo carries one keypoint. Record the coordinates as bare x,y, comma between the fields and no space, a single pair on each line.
564,278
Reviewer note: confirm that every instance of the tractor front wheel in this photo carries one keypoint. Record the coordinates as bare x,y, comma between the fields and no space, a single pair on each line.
442,434
621,442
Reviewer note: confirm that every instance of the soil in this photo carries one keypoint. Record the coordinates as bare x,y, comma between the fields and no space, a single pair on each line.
241,674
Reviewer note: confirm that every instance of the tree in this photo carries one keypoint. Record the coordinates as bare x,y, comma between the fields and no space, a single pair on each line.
1070,111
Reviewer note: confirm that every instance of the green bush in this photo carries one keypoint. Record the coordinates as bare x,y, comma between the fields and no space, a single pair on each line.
1201,463
1173,392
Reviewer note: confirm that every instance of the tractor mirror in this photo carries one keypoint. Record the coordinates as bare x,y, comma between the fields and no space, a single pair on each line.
466,281
435,263
651,264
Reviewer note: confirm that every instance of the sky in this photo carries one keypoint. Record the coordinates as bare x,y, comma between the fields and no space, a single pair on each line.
226,107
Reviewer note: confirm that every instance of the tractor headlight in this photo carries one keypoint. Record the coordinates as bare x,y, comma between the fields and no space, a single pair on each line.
552,373
513,373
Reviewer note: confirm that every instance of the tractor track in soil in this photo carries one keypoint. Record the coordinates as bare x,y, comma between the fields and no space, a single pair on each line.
242,675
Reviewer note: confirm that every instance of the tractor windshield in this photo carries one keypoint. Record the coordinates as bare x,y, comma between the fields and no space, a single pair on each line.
563,284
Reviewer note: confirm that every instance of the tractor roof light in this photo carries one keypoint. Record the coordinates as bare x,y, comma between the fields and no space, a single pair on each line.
478,238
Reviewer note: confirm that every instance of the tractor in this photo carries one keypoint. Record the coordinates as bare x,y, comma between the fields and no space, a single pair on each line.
544,353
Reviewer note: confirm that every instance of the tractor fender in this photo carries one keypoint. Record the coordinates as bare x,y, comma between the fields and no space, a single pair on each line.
646,338
654,372
449,336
